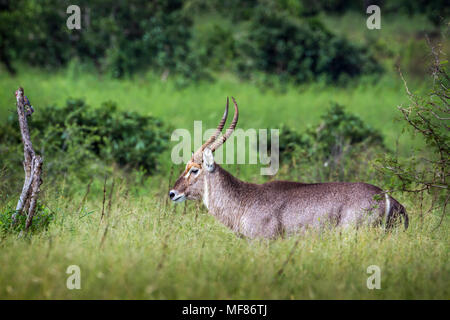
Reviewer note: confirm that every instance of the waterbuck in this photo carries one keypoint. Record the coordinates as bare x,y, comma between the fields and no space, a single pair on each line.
279,207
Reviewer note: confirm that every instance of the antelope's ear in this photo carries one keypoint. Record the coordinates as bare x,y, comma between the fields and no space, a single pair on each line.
208,160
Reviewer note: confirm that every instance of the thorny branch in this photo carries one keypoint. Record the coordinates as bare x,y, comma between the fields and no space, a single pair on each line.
427,116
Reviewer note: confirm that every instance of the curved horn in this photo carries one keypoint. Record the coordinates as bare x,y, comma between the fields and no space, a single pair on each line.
217,143
219,128
198,153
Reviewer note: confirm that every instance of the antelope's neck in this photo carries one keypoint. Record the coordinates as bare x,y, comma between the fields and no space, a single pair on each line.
223,195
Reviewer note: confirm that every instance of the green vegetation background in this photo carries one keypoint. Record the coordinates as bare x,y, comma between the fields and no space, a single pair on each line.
147,248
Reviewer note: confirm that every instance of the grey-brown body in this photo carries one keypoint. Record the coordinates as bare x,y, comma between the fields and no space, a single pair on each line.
277,208
281,207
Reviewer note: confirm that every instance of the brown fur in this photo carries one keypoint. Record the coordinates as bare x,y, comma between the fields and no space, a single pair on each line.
279,207
283,207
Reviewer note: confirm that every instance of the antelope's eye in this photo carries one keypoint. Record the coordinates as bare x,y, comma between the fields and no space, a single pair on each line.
194,171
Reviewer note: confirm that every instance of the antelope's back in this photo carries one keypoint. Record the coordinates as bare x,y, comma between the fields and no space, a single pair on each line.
318,204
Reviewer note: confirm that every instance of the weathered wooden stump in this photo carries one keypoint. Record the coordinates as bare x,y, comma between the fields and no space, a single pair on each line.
32,166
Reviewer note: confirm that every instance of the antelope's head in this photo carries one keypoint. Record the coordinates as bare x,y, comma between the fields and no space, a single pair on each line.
190,183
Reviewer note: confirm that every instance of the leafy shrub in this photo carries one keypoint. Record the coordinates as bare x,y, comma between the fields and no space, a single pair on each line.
339,147
77,133
338,131
41,220
303,50
292,143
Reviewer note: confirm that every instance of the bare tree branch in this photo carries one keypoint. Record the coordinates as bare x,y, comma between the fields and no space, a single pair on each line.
32,166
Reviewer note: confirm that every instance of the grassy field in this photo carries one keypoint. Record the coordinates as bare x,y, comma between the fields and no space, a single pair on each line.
374,102
148,248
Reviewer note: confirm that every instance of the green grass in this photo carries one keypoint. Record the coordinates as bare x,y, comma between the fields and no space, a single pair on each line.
153,251
374,102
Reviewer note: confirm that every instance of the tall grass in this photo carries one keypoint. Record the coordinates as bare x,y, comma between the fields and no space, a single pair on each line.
147,248
157,251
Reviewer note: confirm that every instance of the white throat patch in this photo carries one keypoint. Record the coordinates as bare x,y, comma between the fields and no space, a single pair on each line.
388,206
205,192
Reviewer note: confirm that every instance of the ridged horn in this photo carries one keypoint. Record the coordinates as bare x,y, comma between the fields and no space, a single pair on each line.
218,142
197,156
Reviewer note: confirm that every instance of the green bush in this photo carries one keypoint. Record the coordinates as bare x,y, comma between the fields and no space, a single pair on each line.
120,39
291,143
337,132
133,36
300,49
339,148
76,133
339,129
129,37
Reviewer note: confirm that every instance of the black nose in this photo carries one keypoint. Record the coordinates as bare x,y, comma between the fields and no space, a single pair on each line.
171,194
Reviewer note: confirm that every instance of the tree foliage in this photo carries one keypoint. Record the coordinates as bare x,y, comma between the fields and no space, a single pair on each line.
118,37
303,50
124,38
338,148
427,116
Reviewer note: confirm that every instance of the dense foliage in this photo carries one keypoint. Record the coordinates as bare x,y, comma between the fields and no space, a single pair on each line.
302,50
338,132
120,38
124,38
77,133
427,116
339,148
